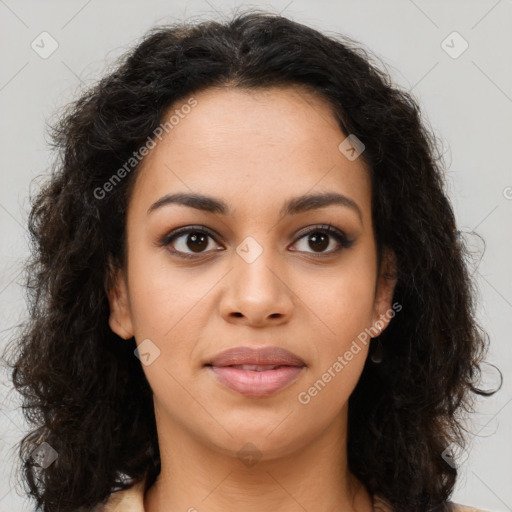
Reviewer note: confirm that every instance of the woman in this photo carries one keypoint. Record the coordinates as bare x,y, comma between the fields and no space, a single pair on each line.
248,289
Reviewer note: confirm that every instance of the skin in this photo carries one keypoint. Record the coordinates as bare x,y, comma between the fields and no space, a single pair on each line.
254,150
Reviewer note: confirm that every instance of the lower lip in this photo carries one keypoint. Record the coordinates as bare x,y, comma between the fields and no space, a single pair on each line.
253,383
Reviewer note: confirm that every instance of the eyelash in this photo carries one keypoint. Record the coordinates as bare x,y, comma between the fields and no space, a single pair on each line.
327,229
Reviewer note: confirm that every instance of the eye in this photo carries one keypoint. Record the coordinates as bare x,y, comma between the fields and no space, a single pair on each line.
318,239
196,240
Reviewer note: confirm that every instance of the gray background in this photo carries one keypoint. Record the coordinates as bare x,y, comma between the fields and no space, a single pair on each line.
467,100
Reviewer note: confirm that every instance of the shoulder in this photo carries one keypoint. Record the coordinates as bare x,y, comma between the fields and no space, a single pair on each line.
465,508
129,500
132,500
382,505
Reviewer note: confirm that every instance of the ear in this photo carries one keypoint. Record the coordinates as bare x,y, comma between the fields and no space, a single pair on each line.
120,320
386,281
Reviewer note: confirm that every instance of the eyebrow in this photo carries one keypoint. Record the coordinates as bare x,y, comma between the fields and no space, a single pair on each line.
293,206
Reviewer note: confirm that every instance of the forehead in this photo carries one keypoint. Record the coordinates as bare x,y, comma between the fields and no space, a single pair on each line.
253,148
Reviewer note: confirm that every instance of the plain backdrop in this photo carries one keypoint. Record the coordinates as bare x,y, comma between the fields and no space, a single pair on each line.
453,55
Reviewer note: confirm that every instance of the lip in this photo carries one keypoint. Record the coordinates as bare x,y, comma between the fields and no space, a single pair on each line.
226,367
269,355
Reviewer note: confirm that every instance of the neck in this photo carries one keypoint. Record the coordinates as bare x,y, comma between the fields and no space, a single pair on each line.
197,476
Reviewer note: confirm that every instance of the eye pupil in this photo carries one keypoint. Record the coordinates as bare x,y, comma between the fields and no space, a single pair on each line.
195,238
319,240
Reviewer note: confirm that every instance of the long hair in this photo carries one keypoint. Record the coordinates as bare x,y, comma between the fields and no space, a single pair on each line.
84,392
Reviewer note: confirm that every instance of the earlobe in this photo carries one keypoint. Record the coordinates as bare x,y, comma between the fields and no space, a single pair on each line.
120,316
384,291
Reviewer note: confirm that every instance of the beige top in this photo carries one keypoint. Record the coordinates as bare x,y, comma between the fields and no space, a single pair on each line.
132,500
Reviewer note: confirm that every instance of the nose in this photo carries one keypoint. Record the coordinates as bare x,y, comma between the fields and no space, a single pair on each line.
257,292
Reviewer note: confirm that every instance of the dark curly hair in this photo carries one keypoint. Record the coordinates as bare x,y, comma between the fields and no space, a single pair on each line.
86,394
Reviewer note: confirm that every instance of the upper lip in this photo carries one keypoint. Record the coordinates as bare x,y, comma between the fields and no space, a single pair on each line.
270,355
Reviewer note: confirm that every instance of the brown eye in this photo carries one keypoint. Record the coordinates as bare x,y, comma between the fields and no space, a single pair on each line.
192,242
319,239
195,240
189,242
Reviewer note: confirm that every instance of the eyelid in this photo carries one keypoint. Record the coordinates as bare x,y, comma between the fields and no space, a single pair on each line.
339,235
176,233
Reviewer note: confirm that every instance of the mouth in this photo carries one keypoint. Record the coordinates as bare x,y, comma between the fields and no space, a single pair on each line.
256,372
254,380
254,367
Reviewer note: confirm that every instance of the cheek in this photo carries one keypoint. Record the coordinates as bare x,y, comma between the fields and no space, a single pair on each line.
152,296
351,303
340,356
344,299
345,305
159,295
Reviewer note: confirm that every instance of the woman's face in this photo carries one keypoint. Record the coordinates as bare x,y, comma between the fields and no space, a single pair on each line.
261,277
